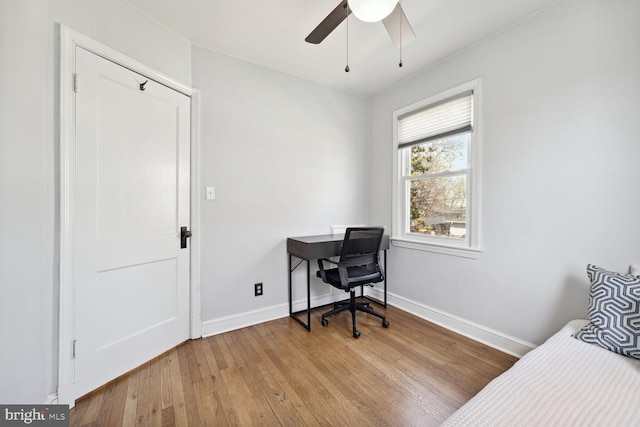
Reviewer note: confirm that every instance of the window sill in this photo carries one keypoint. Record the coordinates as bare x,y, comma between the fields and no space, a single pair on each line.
472,253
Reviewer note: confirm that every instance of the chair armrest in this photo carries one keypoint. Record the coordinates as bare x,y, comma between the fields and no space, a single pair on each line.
323,275
342,271
344,274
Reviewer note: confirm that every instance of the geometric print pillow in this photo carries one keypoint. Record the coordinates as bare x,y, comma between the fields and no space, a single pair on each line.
614,312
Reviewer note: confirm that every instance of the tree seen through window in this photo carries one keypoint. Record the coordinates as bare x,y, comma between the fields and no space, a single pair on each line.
438,187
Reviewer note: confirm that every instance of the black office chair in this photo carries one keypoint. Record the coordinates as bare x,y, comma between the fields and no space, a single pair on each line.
359,265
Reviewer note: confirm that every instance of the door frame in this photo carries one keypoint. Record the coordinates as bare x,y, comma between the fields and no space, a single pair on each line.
69,40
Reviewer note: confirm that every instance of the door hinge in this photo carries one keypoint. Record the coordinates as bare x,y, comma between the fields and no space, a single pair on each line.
74,349
76,83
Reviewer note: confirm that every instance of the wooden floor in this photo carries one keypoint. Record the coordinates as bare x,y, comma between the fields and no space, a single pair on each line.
412,374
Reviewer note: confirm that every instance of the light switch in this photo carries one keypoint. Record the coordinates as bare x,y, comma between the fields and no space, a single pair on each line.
210,193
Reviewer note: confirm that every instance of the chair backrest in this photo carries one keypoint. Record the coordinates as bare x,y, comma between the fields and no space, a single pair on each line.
360,242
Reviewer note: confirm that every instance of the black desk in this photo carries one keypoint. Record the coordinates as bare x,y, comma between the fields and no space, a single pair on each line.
310,248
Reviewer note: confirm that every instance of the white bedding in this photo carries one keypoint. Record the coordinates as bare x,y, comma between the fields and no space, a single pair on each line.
564,382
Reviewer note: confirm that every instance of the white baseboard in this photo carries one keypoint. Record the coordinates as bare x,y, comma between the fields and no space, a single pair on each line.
230,323
476,332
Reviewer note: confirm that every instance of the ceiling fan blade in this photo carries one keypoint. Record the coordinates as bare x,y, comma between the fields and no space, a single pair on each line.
329,23
392,24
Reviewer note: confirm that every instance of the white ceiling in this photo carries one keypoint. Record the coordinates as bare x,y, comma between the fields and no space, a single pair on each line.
272,32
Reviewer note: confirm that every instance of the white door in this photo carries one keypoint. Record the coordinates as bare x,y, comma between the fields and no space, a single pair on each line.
131,276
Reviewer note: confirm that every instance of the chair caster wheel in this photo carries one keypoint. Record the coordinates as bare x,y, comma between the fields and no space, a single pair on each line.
385,324
356,334
325,322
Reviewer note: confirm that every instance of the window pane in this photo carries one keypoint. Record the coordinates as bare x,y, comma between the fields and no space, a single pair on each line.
438,206
447,154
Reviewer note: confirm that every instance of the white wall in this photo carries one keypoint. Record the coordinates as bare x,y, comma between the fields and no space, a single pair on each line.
287,158
29,174
561,143
26,204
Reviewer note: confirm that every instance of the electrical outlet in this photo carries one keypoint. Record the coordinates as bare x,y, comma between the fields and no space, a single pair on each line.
258,289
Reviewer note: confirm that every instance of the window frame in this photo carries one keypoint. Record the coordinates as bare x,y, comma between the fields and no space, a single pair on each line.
468,247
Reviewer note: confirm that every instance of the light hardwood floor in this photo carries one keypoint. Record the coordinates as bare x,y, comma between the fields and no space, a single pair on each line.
276,373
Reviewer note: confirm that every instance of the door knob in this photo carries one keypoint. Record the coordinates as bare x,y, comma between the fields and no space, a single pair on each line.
184,234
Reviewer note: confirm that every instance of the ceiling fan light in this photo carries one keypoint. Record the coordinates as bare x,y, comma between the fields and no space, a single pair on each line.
372,10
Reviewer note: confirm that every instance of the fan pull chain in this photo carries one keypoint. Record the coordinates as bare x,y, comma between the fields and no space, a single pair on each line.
346,69
401,16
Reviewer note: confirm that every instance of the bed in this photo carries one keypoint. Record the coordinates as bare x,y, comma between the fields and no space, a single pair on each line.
565,381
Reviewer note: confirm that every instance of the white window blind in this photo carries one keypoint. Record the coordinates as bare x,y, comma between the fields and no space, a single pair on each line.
444,118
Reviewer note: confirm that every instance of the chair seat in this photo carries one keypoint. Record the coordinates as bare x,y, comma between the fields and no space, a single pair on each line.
358,275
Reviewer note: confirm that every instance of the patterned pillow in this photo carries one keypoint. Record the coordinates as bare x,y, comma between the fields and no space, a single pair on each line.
614,312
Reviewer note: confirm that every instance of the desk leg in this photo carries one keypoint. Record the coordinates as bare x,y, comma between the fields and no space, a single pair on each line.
307,326
308,296
290,295
385,279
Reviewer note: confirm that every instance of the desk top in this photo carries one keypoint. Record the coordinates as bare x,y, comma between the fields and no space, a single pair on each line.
321,246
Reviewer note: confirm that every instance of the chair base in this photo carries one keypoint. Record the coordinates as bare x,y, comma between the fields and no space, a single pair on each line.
352,306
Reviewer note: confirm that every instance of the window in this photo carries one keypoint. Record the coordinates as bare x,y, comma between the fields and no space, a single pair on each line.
437,150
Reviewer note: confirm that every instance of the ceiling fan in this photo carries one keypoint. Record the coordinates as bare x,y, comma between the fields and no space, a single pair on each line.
395,22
